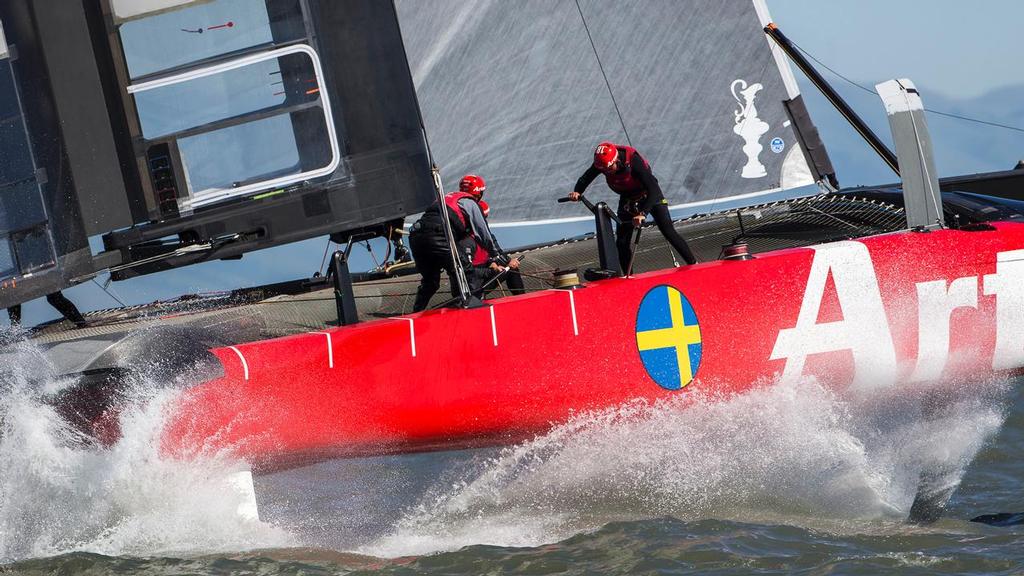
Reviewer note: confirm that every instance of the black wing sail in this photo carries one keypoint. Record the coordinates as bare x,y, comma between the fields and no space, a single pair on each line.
185,131
43,241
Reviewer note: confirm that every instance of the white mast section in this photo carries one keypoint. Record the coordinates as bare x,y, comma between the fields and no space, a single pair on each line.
796,170
781,60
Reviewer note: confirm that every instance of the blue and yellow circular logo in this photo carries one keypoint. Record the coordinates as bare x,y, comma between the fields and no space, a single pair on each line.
668,337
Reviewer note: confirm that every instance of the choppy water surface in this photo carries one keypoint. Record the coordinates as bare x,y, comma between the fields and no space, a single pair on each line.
783,479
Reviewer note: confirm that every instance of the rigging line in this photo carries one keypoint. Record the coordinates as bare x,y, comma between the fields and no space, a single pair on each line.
324,259
537,277
930,110
975,120
601,67
836,218
934,194
373,255
109,293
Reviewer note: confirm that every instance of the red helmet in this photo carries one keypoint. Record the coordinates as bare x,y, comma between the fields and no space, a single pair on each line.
605,155
473,184
484,207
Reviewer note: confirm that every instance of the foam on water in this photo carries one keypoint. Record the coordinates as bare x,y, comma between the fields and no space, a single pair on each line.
791,454
59,493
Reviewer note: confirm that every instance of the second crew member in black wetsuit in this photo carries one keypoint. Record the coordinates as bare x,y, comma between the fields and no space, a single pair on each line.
513,279
479,253
629,175
59,301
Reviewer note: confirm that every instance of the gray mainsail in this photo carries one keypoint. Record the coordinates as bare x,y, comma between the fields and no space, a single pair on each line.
514,91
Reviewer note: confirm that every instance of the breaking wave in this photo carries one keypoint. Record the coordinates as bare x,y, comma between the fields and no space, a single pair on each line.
793,454
60,493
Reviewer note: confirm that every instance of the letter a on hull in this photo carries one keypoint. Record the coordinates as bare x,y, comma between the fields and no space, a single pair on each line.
864,329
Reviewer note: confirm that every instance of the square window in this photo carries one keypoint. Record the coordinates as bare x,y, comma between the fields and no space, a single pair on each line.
21,206
34,250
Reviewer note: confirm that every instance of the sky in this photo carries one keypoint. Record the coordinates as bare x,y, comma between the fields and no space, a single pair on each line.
961,49
956,53
963,58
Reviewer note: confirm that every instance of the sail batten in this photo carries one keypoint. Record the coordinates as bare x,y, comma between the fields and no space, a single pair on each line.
515,93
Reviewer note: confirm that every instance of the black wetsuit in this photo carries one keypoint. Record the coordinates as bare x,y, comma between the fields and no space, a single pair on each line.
482,276
432,255
653,203
59,301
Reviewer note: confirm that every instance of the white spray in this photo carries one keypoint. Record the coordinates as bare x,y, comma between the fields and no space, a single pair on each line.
59,493
792,453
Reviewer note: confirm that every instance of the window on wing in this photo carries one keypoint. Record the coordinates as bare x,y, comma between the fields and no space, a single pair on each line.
229,99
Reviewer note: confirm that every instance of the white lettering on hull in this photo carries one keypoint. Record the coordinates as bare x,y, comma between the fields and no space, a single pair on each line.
1007,285
863,330
935,306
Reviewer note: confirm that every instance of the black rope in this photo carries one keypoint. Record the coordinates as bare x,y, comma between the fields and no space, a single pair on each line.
544,279
933,111
483,288
601,66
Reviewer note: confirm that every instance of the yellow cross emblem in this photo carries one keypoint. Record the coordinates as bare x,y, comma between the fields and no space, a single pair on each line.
677,337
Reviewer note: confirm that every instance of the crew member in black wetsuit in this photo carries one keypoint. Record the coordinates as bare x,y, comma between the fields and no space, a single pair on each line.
512,278
59,301
478,252
629,175
396,228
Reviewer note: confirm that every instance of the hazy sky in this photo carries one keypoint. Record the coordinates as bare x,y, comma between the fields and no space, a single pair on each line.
960,48
954,52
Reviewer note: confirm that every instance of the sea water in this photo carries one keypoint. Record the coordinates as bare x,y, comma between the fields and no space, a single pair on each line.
779,480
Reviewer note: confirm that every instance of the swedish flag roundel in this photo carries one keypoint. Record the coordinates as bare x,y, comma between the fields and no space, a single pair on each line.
668,337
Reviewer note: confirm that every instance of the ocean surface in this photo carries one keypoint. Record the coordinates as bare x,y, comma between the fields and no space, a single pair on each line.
782,480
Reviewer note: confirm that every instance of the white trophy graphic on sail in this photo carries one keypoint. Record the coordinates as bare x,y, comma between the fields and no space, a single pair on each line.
749,127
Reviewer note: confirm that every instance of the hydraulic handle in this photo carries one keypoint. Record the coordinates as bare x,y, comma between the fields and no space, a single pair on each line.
594,207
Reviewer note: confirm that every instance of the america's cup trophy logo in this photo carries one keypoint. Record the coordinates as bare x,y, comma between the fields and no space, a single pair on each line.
749,127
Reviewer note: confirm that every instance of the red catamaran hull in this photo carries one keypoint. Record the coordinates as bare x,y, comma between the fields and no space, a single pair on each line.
859,315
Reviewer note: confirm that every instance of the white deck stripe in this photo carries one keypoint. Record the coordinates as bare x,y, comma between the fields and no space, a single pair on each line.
412,334
572,306
330,349
245,365
494,329
781,61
